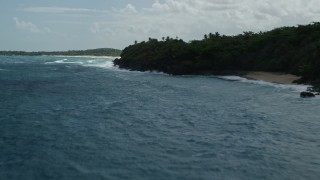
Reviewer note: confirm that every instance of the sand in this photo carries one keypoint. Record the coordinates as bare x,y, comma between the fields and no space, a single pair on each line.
280,78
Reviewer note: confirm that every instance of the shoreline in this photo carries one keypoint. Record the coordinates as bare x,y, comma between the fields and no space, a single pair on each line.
272,77
87,56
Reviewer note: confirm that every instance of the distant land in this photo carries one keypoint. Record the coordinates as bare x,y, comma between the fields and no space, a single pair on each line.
89,52
293,50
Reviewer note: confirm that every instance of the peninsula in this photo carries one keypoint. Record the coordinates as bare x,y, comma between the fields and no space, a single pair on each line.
286,50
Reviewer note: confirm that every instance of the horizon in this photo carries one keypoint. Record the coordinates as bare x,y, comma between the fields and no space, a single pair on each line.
159,39
39,25
99,48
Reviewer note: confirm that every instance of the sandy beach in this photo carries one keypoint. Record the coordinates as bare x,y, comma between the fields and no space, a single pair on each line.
273,77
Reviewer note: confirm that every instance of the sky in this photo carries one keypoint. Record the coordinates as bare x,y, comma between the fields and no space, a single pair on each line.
50,25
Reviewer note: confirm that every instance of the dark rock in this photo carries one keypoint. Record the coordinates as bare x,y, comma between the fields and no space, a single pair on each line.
318,93
307,94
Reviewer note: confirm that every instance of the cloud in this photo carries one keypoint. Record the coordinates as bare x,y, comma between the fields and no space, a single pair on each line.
129,9
28,26
60,10
188,19
98,28
160,7
193,7
232,16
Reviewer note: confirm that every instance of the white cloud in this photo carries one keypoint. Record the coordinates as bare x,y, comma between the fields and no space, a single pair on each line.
246,13
188,19
129,9
160,7
28,26
59,10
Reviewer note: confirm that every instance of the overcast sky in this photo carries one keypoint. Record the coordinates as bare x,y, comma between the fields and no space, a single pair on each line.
34,25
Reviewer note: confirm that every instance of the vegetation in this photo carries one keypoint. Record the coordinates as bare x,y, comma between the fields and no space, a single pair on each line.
89,52
293,50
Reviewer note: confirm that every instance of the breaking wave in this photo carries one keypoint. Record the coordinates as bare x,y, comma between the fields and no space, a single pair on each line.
102,62
295,87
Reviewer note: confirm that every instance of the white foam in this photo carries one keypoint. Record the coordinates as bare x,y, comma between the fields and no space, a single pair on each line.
100,62
60,61
295,87
106,64
64,61
57,61
94,57
71,62
232,78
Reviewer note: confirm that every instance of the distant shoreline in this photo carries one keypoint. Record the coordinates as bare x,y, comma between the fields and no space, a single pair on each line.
87,56
89,52
272,77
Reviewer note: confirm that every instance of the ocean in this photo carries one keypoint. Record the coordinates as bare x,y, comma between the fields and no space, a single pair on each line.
82,118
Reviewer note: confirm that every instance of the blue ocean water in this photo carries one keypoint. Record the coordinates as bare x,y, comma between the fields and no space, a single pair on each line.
82,118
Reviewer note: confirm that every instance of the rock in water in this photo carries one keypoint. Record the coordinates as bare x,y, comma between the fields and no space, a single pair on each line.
306,94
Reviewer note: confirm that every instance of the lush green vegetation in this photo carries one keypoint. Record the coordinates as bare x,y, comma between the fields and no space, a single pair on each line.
293,50
89,52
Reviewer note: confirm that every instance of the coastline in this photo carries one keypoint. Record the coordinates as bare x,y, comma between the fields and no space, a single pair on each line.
85,56
272,77
88,56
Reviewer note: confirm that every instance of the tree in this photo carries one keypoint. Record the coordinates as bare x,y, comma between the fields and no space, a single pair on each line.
293,50
210,35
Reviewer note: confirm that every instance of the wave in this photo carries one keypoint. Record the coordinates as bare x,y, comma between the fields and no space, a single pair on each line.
87,61
106,64
295,87
64,61
95,57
